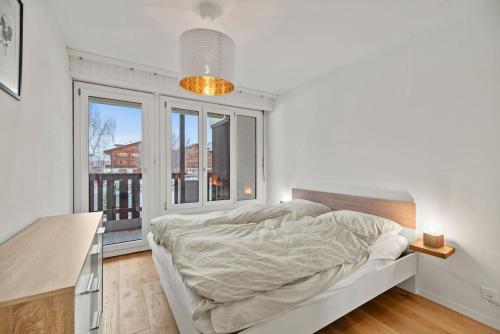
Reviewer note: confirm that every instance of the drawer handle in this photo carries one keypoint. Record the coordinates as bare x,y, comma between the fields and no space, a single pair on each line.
89,284
96,285
101,230
96,320
93,285
96,249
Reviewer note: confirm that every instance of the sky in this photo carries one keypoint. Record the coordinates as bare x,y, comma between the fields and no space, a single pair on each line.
191,124
128,121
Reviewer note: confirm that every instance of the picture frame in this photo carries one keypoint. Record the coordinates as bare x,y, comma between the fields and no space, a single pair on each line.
11,46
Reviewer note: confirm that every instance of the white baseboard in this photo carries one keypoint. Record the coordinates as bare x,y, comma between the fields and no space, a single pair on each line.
129,250
495,323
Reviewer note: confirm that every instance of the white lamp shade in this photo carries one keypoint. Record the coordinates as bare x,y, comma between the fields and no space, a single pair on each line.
207,62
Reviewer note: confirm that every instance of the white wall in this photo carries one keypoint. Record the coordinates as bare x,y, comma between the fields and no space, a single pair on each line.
421,120
36,133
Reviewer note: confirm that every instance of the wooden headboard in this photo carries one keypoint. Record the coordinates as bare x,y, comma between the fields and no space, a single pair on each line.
403,213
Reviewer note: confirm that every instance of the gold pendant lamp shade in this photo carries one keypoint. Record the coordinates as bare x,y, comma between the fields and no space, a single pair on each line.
207,62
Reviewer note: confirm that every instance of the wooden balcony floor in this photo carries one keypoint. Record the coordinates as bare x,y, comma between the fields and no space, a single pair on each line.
134,302
122,236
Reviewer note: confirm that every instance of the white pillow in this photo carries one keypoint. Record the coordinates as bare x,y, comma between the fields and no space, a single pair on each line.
249,214
366,227
303,208
388,247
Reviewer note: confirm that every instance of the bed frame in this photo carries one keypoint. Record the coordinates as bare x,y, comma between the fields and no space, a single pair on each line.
312,317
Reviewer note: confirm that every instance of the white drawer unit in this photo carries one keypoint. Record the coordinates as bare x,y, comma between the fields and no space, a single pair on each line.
88,291
55,265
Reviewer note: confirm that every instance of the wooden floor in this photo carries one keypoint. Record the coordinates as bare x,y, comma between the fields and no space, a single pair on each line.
134,302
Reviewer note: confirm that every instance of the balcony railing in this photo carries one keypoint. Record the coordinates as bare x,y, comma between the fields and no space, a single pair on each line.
185,189
118,195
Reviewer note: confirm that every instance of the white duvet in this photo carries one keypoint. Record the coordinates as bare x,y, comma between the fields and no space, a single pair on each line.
244,272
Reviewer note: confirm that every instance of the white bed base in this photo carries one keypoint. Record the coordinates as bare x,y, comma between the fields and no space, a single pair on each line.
309,318
182,318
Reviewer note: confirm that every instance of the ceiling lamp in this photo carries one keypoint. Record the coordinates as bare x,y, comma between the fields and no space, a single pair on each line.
207,58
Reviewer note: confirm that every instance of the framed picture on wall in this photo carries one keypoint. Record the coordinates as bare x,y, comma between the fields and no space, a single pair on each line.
11,46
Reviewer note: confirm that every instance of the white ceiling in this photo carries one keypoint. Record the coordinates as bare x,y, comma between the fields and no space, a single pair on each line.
280,43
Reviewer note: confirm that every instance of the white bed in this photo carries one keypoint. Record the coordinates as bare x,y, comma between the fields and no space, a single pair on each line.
171,280
371,279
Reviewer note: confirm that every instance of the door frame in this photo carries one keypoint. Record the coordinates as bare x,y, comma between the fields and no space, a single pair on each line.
82,92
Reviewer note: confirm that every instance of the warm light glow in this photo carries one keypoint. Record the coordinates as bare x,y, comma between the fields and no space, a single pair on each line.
434,230
204,85
286,196
216,182
248,190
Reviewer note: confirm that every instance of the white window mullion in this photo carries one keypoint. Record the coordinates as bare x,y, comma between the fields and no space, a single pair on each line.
164,154
233,160
204,149
202,156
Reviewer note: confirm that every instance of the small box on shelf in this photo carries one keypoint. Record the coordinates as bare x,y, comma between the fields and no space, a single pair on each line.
433,240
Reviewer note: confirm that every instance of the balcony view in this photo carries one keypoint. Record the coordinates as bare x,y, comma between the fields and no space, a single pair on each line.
115,167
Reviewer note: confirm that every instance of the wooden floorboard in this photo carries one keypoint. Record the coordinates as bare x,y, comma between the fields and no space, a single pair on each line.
110,316
134,303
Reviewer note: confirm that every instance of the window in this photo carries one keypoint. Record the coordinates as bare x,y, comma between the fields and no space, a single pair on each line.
185,156
247,158
135,162
212,155
218,153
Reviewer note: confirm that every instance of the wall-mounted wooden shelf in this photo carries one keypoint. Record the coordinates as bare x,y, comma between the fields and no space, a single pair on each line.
442,252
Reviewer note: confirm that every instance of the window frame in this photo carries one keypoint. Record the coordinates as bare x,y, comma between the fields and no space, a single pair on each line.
260,182
166,154
167,104
259,153
208,109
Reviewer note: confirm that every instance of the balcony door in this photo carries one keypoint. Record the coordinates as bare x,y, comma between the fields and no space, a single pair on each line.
112,163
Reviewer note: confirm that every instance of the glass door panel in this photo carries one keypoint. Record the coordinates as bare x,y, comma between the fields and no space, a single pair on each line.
185,156
218,134
247,158
115,167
